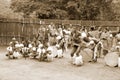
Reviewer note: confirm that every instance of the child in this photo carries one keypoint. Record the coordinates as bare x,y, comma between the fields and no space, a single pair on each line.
59,51
34,52
77,60
16,54
25,52
41,52
9,52
49,54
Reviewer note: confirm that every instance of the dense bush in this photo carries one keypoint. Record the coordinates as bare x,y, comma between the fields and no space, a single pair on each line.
65,9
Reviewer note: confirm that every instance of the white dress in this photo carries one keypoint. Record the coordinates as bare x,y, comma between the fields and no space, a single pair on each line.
39,51
59,52
16,54
9,49
78,61
49,57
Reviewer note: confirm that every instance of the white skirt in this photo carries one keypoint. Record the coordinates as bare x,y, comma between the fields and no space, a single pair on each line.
50,57
59,52
78,61
16,54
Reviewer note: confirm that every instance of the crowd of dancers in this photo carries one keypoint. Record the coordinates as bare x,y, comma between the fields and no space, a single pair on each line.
86,44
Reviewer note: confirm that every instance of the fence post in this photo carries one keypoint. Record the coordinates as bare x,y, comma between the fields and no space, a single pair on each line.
6,34
2,39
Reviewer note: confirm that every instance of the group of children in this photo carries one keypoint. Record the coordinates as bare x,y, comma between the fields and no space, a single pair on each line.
51,42
41,52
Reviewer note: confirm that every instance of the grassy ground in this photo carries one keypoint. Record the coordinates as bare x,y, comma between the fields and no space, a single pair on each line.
59,69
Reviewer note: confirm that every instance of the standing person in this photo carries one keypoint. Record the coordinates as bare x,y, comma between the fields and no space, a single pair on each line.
67,36
40,35
52,35
94,33
104,37
117,38
76,44
83,32
110,41
46,36
60,35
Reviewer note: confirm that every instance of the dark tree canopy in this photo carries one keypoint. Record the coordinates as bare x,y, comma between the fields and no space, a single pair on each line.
65,9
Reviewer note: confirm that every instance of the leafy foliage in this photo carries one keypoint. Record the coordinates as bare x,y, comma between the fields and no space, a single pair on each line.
65,9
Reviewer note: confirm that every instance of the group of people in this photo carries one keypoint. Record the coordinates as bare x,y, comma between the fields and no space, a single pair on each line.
87,44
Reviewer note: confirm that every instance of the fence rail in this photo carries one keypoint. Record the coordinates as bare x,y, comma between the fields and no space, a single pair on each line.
21,28
74,22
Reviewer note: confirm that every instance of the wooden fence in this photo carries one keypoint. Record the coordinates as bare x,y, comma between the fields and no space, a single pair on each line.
20,28
74,22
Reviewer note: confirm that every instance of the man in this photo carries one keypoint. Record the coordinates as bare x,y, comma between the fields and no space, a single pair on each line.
95,33
76,44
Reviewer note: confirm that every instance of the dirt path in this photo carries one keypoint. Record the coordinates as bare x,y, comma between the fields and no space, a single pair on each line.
59,69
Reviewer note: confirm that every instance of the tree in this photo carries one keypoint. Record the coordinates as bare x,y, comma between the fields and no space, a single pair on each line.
116,9
91,9
65,9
